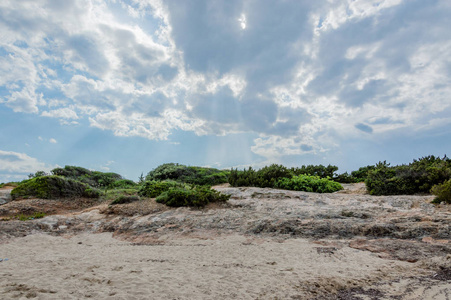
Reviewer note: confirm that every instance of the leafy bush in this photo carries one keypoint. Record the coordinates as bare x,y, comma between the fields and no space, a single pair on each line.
192,175
345,178
265,177
93,178
122,184
417,177
125,199
198,196
442,192
154,188
308,183
362,173
52,187
320,170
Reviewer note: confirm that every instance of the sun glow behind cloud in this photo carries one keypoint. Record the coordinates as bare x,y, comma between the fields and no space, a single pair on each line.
242,21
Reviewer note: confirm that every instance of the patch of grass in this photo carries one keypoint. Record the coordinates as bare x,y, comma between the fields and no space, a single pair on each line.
115,193
23,217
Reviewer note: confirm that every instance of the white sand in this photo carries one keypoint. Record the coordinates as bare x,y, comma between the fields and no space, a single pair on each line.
227,267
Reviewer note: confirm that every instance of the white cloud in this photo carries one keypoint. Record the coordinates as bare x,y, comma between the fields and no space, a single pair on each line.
53,141
16,166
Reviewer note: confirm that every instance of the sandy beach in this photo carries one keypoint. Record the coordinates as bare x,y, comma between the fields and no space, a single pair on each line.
205,254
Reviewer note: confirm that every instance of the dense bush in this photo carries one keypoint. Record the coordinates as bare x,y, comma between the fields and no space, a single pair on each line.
154,188
265,177
314,170
198,196
52,187
192,175
345,178
442,192
308,183
417,177
125,199
362,173
269,175
122,184
93,178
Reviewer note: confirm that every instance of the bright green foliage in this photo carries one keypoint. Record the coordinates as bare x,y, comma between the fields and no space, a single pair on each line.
93,178
192,175
265,177
313,170
53,187
308,183
154,188
198,196
443,192
125,199
417,177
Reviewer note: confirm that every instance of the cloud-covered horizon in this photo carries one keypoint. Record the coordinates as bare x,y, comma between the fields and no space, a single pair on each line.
298,78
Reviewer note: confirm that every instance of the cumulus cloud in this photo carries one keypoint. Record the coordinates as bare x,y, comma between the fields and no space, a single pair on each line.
16,166
303,75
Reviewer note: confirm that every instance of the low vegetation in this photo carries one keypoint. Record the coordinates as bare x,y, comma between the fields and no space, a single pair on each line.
181,185
154,188
442,192
53,187
196,196
420,176
308,183
298,179
188,174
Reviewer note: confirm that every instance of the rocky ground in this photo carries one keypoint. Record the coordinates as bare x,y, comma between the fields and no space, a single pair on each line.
399,228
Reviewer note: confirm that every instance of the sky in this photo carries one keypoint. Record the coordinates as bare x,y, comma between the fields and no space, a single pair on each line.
126,85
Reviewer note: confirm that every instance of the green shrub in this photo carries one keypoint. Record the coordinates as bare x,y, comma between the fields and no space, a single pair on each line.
308,183
154,188
187,174
345,178
53,187
93,178
125,199
442,192
319,170
362,173
417,177
265,177
122,184
198,196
